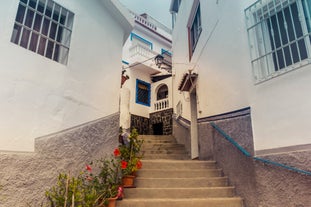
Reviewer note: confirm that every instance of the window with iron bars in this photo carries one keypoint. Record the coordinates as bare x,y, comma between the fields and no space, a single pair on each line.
279,36
142,92
43,27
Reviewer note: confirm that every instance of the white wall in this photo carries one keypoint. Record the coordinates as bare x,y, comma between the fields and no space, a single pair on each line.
280,107
220,59
39,96
137,109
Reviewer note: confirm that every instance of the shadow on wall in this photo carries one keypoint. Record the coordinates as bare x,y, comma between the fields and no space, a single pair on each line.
181,132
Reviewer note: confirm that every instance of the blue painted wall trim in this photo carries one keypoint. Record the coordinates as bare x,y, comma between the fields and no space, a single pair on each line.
133,35
127,63
163,51
246,153
149,92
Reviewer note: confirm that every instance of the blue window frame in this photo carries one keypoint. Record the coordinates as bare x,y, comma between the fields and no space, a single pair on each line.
141,39
163,51
142,92
125,62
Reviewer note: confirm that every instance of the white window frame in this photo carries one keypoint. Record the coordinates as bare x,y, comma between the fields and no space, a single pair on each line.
264,55
43,27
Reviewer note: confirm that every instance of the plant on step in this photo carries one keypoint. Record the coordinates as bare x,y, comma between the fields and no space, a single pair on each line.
71,191
108,180
129,153
88,189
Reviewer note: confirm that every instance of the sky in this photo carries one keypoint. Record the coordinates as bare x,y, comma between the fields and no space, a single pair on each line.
158,9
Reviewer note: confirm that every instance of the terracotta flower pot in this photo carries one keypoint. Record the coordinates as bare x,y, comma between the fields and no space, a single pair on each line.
128,181
112,202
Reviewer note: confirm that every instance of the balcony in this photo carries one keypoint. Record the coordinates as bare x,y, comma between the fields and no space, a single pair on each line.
142,58
161,105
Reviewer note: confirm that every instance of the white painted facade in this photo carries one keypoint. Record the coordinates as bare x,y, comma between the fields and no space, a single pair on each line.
280,107
40,96
148,39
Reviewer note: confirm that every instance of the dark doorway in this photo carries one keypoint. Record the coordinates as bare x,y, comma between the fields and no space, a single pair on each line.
158,129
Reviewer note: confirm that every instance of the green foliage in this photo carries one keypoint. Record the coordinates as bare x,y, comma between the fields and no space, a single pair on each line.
93,190
87,190
108,179
130,153
71,191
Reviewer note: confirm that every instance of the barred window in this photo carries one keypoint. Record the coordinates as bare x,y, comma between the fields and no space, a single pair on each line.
43,27
279,36
142,93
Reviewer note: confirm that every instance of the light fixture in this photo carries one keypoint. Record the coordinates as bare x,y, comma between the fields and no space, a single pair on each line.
159,60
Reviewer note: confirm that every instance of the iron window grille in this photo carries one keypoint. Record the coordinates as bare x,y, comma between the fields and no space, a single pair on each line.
44,27
142,93
279,36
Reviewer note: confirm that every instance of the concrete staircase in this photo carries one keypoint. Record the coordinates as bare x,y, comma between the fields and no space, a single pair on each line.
170,179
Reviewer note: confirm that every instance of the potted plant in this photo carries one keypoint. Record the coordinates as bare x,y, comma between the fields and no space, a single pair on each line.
106,182
88,189
129,154
70,191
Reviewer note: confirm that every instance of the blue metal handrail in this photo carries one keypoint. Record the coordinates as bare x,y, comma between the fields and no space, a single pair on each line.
246,153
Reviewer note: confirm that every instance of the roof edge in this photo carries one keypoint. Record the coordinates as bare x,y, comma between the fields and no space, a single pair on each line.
121,14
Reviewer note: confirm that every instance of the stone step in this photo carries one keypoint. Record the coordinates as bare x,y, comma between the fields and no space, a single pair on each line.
168,146
163,151
167,156
172,141
181,182
170,179
156,137
168,173
205,192
178,164
193,202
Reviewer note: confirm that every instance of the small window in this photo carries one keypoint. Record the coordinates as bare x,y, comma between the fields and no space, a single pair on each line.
142,93
43,27
195,30
279,36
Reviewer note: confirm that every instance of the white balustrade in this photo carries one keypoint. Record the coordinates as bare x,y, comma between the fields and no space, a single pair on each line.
161,104
141,50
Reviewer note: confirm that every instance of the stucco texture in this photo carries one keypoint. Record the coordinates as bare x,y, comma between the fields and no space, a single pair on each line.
25,177
260,185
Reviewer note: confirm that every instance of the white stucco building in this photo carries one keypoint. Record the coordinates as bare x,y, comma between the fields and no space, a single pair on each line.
148,89
231,76
60,66
245,65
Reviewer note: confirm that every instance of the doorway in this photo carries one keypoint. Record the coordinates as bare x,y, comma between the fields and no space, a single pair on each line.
158,128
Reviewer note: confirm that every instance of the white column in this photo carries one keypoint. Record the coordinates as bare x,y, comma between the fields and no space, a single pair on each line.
125,117
194,126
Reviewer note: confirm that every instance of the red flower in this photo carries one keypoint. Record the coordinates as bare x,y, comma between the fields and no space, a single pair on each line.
88,168
123,164
116,152
139,164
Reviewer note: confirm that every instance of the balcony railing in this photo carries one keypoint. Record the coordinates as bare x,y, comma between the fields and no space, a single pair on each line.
142,51
161,105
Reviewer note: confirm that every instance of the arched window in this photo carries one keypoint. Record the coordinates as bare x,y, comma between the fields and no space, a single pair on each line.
162,92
